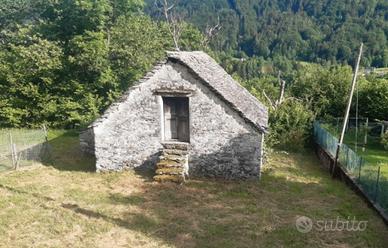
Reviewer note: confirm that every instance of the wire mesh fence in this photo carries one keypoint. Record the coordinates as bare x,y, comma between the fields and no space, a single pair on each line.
22,147
373,128
370,177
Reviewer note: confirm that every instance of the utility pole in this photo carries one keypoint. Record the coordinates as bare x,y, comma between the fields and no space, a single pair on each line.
346,119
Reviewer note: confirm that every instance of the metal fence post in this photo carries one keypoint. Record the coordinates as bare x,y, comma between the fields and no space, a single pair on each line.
12,149
347,156
359,171
377,184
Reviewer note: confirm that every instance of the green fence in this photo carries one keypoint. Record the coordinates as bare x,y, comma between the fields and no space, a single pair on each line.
368,176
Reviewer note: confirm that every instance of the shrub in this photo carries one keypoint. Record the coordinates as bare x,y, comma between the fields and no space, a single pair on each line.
290,125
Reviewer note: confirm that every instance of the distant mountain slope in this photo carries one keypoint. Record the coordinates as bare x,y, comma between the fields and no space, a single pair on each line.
309,30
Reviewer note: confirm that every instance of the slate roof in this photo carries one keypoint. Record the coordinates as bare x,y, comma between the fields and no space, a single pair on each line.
215,77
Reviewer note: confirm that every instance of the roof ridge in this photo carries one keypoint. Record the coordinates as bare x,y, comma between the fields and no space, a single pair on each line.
231,91
199,63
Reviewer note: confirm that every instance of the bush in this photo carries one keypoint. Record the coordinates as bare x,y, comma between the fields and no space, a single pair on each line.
384,140
290,125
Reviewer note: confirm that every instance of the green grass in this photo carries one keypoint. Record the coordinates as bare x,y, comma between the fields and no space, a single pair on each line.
374,151
64,204
375,155
381,71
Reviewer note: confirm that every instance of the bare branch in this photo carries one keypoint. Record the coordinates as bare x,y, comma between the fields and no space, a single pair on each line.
272,105
170,8
282,84
211,32
174,22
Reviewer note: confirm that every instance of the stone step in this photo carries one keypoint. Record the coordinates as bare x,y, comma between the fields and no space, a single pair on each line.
169,178
174,152
176,146
170,171
173,158
168,165
172,162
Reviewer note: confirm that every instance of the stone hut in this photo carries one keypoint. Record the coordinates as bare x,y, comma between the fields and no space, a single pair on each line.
186,116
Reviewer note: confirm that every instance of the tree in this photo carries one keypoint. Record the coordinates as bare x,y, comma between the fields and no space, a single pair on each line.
28,70
324,87
373,98
136,44
72,58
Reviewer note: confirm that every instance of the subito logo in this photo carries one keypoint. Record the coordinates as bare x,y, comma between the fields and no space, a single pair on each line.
304,224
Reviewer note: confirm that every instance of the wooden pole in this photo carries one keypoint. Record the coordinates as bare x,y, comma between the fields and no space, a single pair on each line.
346,119
17,158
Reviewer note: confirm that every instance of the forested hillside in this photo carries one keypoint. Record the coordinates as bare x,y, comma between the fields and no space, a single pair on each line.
308,30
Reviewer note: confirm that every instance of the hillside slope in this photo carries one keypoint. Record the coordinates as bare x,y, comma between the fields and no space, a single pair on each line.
309,30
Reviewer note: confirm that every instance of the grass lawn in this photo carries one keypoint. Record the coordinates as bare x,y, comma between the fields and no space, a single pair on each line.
64,204
374,154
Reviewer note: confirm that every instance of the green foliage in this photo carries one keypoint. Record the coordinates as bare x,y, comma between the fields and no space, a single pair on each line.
325,88
28,70
266,83
373,101
135,44
191,38
290,125
289,122
63,62
309,30
125,7
13,12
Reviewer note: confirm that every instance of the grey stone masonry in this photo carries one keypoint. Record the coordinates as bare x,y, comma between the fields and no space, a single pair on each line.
226,123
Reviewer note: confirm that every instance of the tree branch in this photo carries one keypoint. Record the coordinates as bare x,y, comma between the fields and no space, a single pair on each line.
272,105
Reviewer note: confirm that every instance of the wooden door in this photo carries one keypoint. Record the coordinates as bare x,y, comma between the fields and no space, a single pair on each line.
183,120
176,118
170,119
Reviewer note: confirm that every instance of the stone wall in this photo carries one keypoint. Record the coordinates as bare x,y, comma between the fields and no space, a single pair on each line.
222,143
327,161
86,139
